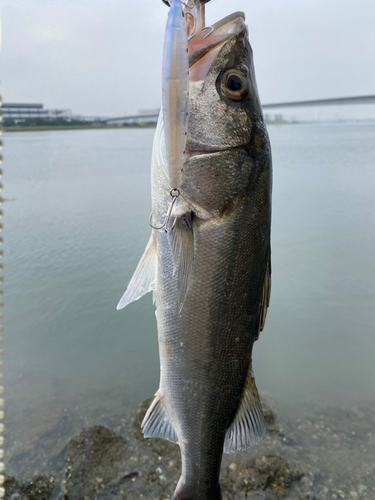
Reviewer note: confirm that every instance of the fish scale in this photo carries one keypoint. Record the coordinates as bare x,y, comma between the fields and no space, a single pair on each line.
209,267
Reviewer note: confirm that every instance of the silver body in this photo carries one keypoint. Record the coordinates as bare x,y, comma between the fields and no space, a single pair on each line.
206,340
210,270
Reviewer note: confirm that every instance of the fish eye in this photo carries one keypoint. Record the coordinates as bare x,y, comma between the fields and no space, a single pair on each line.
234,85
234,82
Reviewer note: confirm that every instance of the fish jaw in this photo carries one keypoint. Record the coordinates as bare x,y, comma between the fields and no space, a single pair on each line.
204,46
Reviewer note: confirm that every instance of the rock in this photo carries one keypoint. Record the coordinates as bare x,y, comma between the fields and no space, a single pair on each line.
94,458
272,471
101,465
39,488
269,415
272,423
12,489
269,472
41,449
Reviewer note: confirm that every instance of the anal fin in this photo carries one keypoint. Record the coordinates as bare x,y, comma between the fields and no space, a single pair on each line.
248,427
156,424
144,277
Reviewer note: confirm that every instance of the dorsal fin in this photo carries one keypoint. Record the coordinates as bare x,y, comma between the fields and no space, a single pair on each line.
156,423
248,427
144,277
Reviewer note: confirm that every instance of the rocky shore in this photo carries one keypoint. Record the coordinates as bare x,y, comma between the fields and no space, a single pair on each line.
328,455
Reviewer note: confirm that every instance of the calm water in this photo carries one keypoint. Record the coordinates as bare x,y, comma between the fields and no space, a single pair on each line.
76,224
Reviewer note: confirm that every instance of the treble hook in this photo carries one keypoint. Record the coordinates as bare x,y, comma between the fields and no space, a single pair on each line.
175,193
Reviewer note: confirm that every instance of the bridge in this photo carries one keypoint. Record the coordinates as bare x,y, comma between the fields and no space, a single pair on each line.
20,111
337,101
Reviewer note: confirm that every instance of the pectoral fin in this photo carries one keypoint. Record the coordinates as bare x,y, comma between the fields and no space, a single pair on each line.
265,302
144,277
248,427
181,241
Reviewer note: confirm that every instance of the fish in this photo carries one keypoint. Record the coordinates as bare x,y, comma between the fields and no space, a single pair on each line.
209,266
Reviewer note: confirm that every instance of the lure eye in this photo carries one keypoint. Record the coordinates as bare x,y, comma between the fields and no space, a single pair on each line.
234,85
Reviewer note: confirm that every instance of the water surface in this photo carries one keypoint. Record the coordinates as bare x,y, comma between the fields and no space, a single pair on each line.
76,224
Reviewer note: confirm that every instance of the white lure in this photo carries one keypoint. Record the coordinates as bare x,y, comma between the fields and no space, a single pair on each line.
175,91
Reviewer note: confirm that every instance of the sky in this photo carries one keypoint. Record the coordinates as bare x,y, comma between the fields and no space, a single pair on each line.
103,58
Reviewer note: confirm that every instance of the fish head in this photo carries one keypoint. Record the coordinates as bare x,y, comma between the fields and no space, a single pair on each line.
227,142
224,101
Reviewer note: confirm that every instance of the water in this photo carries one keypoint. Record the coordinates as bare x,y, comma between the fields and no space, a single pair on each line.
76,223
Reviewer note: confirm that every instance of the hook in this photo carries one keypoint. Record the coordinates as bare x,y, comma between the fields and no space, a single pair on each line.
175,193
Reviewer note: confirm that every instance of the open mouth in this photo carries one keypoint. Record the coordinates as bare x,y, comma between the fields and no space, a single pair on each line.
205,45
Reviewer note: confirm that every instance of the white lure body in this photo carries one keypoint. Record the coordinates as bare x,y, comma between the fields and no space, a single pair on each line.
175,91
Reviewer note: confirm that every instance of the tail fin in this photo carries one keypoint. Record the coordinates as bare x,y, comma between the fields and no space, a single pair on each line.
194,492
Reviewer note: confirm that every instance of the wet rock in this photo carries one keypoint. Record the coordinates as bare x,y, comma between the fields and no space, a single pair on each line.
41,450
334,450
39,488
12,489
272,471
269,472
137,485
272,423
141,412
118,490
269,415
94,458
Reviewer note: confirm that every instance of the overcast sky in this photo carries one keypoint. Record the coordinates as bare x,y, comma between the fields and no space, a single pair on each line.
103,57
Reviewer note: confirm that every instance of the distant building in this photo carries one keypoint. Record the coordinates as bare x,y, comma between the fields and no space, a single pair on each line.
19,112
279,117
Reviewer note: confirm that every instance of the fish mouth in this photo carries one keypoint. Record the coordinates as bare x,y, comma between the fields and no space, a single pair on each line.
204,46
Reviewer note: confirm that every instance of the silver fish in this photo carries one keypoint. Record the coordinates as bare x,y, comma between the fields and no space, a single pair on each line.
210,271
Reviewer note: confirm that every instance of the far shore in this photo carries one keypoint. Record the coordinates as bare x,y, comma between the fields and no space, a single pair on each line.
42,128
